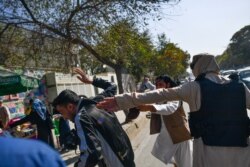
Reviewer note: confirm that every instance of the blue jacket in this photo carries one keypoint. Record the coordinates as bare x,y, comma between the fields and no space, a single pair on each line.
25,152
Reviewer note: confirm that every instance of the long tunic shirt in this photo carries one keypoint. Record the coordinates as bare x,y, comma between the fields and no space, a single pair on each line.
164,149
203,155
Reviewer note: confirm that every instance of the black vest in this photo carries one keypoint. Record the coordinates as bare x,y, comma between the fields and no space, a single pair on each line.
222,118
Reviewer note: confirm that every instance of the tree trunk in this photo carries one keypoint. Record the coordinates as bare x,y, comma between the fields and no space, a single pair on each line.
119,71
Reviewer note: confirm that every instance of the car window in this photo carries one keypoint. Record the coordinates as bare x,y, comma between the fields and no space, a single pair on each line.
245,74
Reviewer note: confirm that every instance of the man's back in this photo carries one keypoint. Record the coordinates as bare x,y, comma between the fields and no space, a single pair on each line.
110,133
107,124
222,118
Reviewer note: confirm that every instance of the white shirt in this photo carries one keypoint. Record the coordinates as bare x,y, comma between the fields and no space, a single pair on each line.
164,149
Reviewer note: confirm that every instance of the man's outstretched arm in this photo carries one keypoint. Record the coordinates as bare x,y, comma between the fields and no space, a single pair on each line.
110,89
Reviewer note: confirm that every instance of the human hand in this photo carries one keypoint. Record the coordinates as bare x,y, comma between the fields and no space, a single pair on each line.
146,107
57,116
108,104
83,77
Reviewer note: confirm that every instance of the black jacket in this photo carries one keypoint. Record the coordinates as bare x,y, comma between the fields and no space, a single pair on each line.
107,124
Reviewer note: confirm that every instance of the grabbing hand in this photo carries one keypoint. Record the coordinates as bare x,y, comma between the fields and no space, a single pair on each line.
108,104
83,77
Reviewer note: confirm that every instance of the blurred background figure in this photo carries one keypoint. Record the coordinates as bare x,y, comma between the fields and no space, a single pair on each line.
4,115
41,118
62,131
146,84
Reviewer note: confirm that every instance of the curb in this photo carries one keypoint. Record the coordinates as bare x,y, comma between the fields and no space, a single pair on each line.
134,127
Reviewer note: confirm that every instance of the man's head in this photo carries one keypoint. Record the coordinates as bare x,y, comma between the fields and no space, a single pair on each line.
66,104
203,63
146,78
164,81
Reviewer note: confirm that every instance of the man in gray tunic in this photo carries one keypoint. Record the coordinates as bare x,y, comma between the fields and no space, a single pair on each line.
218,117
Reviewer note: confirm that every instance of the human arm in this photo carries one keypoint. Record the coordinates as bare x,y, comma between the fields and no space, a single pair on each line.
27,118
166,109
149,85
142,87
110,89
146,107
188,92
146,86
82,76
130,100
162,109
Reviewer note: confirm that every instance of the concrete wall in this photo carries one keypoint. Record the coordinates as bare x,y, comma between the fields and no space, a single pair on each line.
57,82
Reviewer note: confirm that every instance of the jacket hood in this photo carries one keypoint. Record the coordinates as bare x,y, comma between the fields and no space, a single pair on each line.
204,63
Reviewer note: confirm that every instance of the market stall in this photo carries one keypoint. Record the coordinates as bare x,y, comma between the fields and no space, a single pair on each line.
11,86
12,83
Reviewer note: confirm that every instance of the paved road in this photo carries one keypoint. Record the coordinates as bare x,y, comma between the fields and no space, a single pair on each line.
142,145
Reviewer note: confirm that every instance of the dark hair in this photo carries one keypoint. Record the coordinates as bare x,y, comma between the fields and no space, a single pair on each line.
31,101
65,97
166,79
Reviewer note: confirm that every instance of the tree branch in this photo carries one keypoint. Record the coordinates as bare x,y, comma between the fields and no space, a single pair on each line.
4,29
35,21
29,11
92,51
75,11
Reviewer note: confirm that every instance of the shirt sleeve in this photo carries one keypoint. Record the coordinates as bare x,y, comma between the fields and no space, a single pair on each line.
110,88
150,86
28,118
166,109
130,100
188,92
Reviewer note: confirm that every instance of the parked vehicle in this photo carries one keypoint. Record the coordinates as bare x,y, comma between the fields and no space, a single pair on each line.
244,76
227,73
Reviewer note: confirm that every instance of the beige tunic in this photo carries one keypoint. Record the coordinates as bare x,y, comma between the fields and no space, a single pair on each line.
204,156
